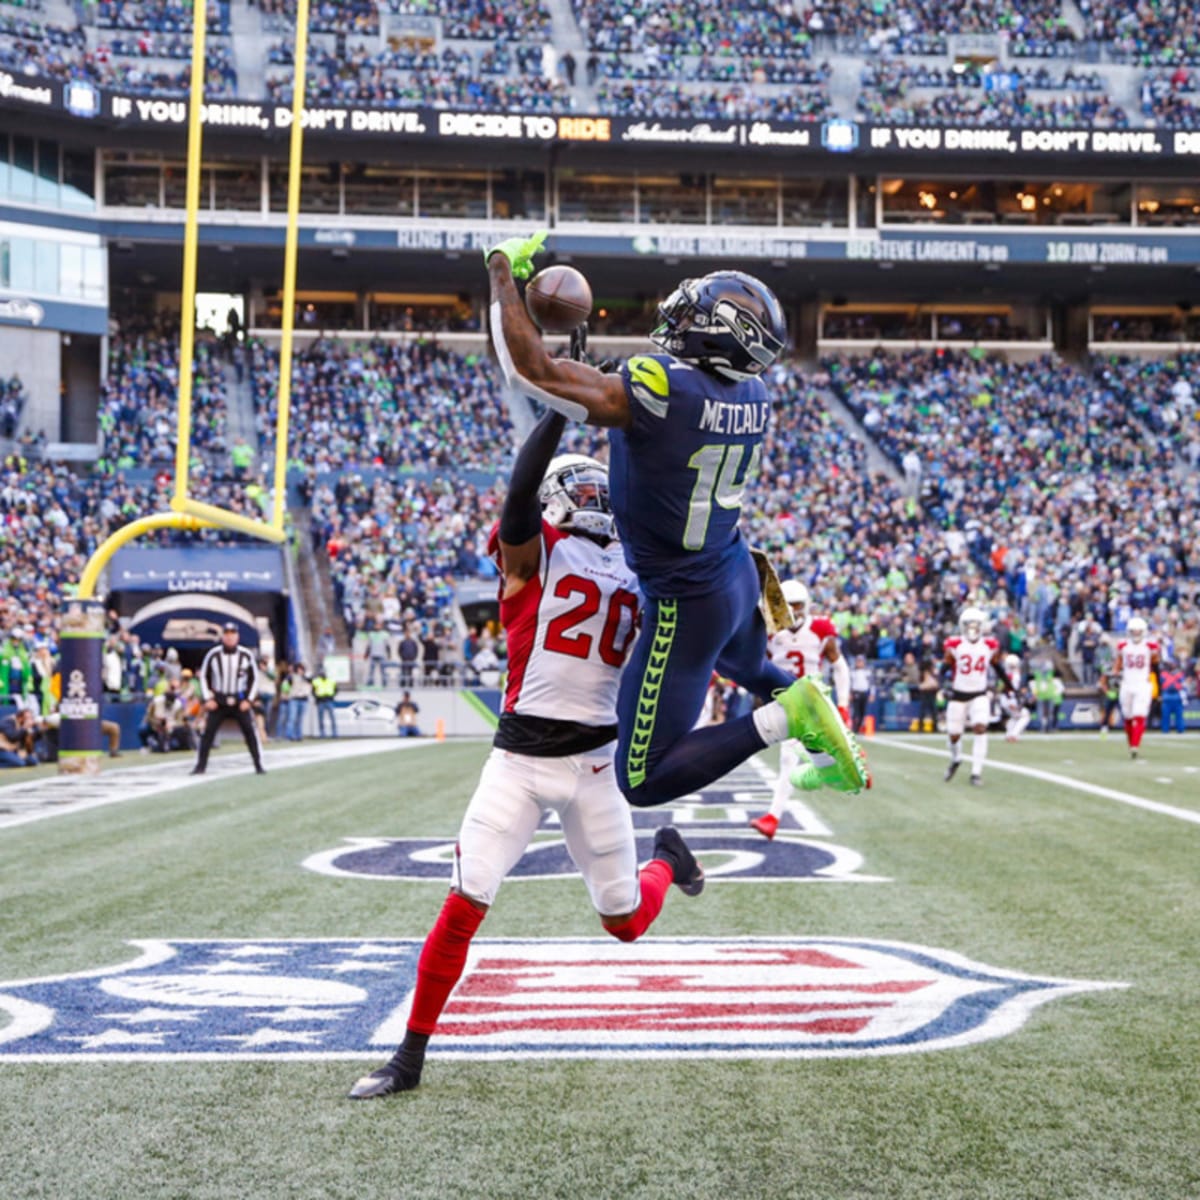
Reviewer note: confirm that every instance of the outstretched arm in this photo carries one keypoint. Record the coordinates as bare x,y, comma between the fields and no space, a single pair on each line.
521,516
573,389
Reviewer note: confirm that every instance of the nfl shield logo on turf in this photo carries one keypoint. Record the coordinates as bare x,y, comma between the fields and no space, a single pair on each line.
346,998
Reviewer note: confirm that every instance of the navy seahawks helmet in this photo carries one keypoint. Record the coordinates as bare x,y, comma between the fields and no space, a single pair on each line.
727,322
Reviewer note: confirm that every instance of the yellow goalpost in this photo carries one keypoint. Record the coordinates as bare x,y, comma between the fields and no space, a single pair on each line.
187,512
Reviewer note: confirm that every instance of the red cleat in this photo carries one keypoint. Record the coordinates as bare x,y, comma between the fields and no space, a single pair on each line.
766,825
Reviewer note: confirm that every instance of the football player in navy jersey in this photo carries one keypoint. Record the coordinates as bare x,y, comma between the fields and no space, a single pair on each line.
686,430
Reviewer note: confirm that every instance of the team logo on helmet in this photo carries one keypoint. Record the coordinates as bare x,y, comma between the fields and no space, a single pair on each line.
727,322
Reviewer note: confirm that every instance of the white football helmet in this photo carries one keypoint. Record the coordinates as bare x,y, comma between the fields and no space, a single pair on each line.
971,622
1136,629
1012,662
796,594
574,496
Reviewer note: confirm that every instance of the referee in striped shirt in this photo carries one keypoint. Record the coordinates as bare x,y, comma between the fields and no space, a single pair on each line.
229,684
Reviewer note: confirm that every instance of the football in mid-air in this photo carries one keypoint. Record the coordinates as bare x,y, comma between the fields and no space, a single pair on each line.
559,299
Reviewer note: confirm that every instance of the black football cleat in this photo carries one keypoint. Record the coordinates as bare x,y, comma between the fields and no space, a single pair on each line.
687,874
955,763
196,771
977,781
260,770
386,1081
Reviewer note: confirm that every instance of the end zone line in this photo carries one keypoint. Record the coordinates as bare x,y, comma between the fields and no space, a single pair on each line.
64,795
1166,810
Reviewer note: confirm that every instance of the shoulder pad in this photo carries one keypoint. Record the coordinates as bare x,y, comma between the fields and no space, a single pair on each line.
648,383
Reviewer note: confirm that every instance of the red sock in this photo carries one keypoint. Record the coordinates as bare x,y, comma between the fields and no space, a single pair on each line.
1129,732
654,880
442,960
1139,727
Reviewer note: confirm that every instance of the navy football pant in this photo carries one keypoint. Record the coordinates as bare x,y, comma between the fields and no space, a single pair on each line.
659,755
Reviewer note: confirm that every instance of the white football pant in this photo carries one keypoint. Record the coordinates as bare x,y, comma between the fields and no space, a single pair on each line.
514,793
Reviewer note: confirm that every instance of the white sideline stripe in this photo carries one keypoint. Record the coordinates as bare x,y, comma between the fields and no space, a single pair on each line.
61,795
1166,810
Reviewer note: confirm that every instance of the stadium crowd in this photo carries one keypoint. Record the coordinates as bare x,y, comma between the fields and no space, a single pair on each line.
138,399
1030,487
353,409
390,80
1039,472
1172,98
715,68
755,28
645,98
894,571
993,108
1152,32
394,548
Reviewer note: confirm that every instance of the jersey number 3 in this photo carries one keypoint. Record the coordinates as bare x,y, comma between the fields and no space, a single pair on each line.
579,645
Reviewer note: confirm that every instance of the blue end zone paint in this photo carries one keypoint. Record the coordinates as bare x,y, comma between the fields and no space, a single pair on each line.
419,858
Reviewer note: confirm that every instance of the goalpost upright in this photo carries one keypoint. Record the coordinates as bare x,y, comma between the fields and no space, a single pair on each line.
83,618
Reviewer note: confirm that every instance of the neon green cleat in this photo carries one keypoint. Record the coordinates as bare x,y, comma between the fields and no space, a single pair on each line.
814,720
811,779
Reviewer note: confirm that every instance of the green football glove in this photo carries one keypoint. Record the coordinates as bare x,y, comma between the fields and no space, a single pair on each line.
519,251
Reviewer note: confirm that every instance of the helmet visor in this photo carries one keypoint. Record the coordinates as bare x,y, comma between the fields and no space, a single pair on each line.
587,488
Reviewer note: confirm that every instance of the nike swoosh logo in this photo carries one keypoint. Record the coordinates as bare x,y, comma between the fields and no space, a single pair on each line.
597,770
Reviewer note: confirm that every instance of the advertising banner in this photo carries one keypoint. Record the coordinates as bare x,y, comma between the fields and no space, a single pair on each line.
834,136
197,569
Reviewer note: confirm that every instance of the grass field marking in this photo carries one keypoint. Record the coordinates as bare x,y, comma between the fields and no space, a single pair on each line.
1166,810
61,795
27,1019
736,865
808,820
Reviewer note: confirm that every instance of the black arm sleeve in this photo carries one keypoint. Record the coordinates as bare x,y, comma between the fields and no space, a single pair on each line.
521,517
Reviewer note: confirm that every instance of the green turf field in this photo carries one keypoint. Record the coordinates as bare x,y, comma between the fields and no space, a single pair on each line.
1096,1095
